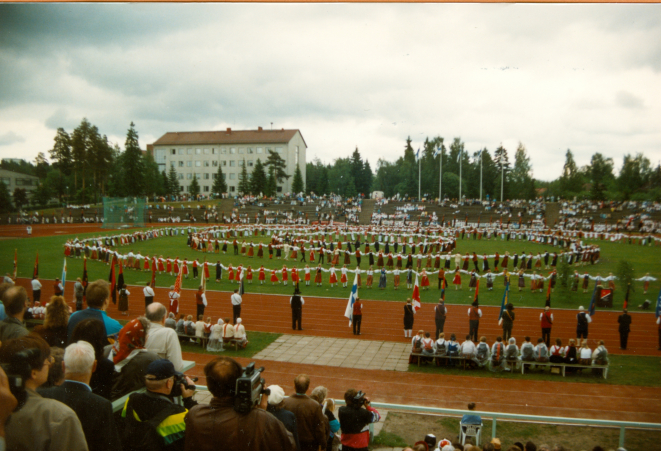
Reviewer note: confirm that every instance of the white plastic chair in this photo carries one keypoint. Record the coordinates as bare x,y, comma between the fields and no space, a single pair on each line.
470,430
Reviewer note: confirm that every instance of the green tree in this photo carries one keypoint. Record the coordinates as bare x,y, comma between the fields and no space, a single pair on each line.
275,162
600,173
61,152
626,274
5,199
521,176
271,183
634,175
502,177
41,166
153,181
173,182
571,181
20,198
297,184
244,180
41,195
82,140
258,179
165,182
194,188
367,179
219,186
101,157
132,164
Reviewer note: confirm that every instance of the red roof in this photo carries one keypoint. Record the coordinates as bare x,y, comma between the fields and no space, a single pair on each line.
228,136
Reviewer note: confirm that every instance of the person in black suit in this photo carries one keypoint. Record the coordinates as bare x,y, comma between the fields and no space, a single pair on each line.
624,321
94,412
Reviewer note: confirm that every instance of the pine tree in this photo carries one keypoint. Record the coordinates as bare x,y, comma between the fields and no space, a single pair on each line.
258,179
244,180
81,143
132,164
194,188
271,183
600,172
522,174
165,182
5,199
275,162
61,152
173,182
502,177
297,184
219,186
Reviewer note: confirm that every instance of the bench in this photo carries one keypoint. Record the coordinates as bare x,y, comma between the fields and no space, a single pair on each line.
204,340
438,356
564,366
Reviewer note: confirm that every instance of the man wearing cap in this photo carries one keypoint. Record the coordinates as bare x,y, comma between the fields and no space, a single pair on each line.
160,378
583,319
546,319
215,426
276,406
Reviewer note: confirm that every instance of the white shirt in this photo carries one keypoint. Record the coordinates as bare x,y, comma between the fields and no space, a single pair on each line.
36,285
165,342
585,353
148,291
468,347
541,315
479,312
303,301
236,299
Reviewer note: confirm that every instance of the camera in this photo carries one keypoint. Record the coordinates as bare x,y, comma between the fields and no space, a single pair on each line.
360,400
180,379
18,371
248,389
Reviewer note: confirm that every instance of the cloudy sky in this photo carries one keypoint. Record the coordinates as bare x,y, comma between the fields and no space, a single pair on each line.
584,77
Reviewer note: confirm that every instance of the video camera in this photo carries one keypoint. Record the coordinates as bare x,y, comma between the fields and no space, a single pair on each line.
18,371
248,389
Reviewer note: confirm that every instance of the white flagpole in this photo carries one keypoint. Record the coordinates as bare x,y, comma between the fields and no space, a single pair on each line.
460,151
481,175
419,161
440,177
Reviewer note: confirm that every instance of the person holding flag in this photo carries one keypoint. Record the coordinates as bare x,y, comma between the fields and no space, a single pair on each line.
474,315
440,314
201,299
408,319
624,321
353,297
583,319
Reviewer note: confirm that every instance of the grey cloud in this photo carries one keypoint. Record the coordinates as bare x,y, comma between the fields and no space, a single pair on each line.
10,138
627,100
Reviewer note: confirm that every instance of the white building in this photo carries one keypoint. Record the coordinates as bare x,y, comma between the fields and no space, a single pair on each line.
201,153
15,180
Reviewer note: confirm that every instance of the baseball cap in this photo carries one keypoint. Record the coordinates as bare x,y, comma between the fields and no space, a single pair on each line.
160,369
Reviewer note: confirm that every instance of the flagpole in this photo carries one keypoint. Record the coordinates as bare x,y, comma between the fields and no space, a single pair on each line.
502,177
481,175
460,151
440,177
419,161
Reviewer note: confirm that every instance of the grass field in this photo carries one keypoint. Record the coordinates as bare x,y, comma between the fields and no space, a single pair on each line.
51,253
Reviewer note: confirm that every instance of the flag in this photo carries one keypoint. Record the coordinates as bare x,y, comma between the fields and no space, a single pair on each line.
626,297
348,313
177,282
594,298
153,273
35,273
416,296
658,305
437,152
443,289
64,274
417,155
85,279
477,290
505,301
15,263
112,281
120,278
548,294
241,286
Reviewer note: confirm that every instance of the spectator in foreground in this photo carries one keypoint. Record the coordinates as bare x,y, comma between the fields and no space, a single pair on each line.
319,394
98,299
256,430
276,404
94,412
41,424
130,357
471,418
54,328
162,340
159,381
313,429
170,321
355,418
15,300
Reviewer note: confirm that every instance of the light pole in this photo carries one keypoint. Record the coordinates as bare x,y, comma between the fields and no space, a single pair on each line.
440,175
481,175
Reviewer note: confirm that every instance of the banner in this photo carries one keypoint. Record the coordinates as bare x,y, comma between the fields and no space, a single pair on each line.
416,296
348,313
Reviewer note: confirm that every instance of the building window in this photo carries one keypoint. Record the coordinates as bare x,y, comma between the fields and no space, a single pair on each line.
240,149
250,150
198,151
214,163
224,176
214,176
198,164
173,151
278,149
23,182
232,150
160,155
182,151
198,176
232,189
190,151
189,164
181,164
223,150
260,150
5,180
232,176
173,164
214,151
223,163
206,164
180,176
181,188
279,189
206,151
206,188
232,163
249,163
189,176
206,176
241,162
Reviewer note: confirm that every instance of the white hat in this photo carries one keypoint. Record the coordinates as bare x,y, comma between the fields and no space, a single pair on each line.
277,395
581,308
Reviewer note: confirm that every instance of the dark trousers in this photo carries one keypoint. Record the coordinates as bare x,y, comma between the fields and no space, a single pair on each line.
296,316
581,332
321,257
148,300
195,273
236,312
473,324
79,303
36,295
507,333
624,337
546,336
200,311
357,319
440,324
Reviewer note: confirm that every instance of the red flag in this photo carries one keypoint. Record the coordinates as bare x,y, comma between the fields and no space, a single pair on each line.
477,289
177,282
153,272
120,278
15,263
206,270
112,281
416,296
35,273
548,293
626,297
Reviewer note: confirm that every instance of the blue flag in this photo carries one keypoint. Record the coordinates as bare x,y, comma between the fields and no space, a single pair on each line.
505,301
437,152
352,298
417,155
658,305
64,274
